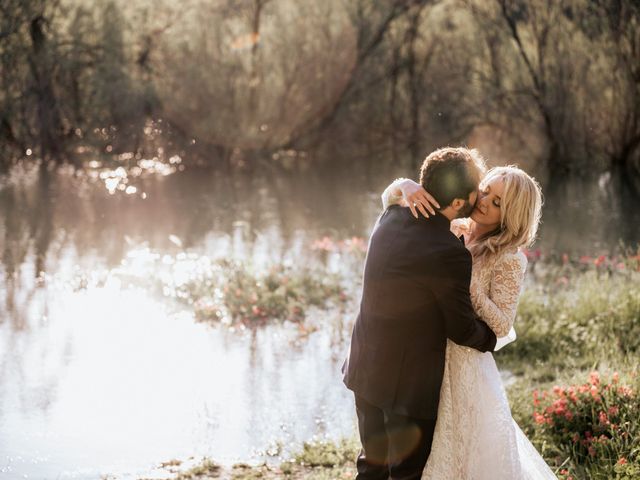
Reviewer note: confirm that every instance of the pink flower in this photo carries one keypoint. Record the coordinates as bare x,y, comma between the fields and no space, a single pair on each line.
602,417
621,461
594,377
626,391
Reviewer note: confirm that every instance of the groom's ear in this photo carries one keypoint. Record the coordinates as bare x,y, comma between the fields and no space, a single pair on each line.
457,204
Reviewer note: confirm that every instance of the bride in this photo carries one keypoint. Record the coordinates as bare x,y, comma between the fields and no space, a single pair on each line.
475,436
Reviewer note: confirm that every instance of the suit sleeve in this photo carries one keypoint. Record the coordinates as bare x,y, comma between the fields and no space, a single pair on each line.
461,323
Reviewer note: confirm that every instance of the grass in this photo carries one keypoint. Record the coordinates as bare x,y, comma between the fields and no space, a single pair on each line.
574,323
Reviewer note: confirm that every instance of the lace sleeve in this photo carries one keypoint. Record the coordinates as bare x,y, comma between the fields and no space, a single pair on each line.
392,195
498,309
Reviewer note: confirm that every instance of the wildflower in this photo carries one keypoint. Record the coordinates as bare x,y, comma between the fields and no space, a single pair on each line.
575,438
600,260
538,418
613,410
594,377
616,377
626,391
621,461
565,258
603,419
592,451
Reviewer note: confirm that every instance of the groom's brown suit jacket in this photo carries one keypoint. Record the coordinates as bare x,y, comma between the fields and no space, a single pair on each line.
415,296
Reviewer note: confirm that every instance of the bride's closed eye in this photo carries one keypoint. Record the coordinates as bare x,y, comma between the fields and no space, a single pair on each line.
495,202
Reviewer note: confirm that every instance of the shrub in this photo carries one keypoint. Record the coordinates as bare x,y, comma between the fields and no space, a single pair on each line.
592,426
236,292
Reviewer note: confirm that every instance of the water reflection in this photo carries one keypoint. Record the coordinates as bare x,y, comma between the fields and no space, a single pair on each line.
115,380
99,373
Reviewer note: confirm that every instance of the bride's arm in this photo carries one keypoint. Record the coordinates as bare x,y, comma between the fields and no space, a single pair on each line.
404,191
392,195
499,309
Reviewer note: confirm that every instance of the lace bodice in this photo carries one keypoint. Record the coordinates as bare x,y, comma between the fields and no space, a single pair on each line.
496,285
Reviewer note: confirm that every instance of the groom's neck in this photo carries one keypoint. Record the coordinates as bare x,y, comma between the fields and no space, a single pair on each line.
449,212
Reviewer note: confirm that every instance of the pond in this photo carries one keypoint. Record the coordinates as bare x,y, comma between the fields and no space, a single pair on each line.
101,373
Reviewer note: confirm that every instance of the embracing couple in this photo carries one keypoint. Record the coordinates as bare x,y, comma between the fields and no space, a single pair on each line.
438,292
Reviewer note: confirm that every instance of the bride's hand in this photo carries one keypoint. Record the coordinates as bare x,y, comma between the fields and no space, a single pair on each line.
416,197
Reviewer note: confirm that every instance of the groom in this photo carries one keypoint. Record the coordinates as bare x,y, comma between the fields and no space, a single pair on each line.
415,296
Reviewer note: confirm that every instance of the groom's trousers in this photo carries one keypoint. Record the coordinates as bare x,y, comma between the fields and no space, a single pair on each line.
393,446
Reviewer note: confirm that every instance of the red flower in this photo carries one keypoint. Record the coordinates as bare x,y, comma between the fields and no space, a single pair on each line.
621,461
600,260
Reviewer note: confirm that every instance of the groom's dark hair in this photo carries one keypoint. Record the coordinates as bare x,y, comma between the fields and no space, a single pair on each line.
452,172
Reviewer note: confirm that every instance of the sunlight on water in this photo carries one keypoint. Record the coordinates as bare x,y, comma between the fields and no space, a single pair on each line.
118,179
114,380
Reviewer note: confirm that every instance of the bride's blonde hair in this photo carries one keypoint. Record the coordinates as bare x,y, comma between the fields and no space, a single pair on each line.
520,212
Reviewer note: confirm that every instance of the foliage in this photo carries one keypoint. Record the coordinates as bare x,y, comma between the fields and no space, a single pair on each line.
236,292
554,86
573,316
588,429
206,469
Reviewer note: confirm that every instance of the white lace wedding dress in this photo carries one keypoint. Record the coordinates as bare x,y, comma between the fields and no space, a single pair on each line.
476,437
